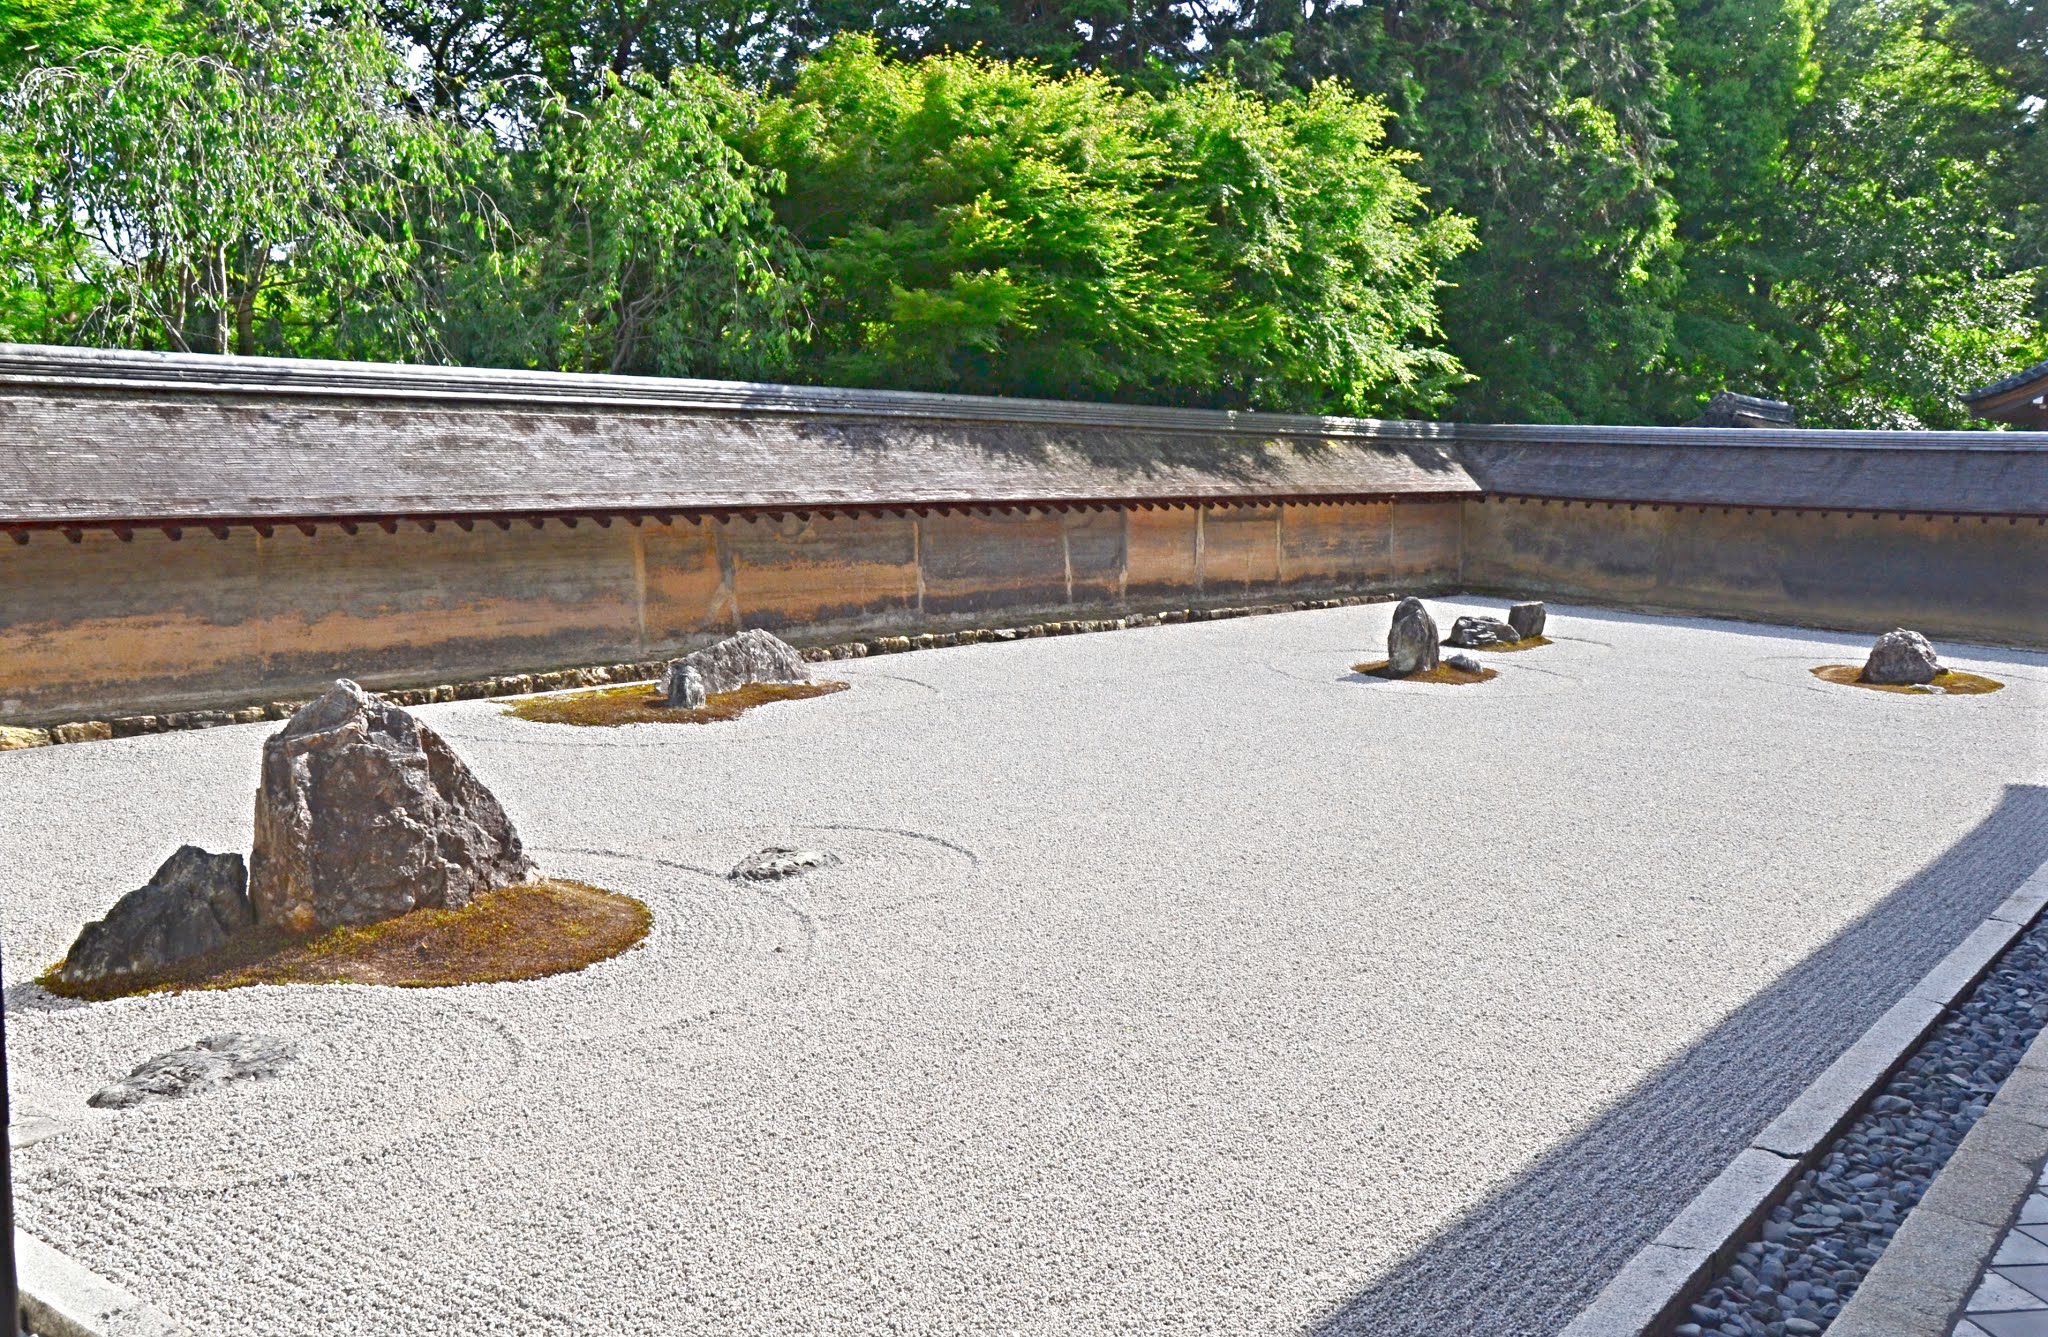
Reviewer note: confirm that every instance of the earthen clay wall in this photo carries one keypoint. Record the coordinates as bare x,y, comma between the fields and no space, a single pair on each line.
1973,578
105,627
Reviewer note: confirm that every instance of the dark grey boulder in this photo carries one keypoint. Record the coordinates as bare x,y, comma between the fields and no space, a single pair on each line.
365,814
686,689
1901,657
780,861
1464,663
195,903
1527,619
1470,633
197,1068
752,656
1412,640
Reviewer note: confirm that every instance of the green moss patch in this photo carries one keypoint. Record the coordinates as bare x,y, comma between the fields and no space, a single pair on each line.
514,933
1442,673
609,707
1952,683
1526,643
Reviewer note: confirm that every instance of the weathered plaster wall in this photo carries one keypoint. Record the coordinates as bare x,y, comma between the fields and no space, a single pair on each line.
1960,578
105,627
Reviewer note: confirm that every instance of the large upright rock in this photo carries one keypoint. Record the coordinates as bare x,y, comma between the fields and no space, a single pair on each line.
1528,619
194,904
1899,657
1411,641
366,814
751,656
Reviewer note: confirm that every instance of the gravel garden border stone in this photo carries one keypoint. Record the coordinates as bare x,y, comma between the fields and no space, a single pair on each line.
1785,1208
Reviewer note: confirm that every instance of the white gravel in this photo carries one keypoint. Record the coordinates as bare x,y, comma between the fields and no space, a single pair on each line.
1172,981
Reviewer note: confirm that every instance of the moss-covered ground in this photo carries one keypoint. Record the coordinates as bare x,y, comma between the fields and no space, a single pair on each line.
1952,683
1442,673
1527,643
609,707
514,933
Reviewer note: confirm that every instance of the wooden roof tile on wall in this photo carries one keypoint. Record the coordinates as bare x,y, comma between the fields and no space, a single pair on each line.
87,436
95,437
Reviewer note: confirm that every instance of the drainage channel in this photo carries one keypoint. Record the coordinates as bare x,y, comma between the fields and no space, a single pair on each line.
1818,1245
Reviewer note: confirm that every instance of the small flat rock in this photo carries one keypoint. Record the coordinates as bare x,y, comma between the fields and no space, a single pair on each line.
198,1068
1464,663
778,862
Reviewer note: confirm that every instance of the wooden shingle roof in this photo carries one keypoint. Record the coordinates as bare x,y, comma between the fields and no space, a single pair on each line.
96,437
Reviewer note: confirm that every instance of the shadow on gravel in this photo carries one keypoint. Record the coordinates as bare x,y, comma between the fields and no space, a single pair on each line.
1527,1260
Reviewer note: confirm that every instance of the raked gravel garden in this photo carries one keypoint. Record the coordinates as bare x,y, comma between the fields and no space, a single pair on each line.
1177,979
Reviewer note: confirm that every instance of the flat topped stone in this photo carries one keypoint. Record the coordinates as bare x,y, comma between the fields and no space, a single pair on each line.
1471,633
1412,640
365,814
1528,619
750,657
192,905
780,861
212,1062
1901,657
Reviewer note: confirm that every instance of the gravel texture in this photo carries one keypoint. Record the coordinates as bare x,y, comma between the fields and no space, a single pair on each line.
1817,1247
1170,980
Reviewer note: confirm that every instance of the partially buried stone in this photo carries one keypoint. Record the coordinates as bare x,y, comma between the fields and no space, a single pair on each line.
195,903
1412,640
1901,657
686,689
1527,619
1462,663
780,861
752,656
1473,632
365,814
212,1062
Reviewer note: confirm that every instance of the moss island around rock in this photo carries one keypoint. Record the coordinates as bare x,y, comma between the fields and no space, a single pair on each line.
1951,682
523,932
640,703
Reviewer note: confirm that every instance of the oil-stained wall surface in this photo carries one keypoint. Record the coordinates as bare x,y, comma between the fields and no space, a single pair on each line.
105,626
1976,578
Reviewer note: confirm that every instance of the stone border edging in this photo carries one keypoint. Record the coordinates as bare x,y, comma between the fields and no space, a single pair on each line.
1653,1287
14,738
61,1298
1927,1274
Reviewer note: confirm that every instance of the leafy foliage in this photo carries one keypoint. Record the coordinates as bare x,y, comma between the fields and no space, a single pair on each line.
983,226
1267,203
646,244
265,197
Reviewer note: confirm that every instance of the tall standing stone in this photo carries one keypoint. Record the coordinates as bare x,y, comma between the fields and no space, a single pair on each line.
1528,618
1412,640
365,814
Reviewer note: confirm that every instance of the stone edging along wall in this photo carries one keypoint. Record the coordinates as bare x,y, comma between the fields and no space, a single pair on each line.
520,684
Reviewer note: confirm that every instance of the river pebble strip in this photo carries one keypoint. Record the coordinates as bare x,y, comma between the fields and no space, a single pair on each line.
1821,1242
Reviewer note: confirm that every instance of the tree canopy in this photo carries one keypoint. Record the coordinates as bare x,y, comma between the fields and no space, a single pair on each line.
1537,210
